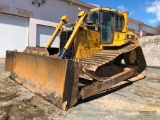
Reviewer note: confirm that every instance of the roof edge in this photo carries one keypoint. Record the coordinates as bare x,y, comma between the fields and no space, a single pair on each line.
90,6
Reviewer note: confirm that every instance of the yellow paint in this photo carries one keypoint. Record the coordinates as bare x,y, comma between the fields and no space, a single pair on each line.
105,9
87,41
82,16
63,21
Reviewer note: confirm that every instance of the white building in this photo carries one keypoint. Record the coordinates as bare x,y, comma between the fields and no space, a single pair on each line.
138,27
31,22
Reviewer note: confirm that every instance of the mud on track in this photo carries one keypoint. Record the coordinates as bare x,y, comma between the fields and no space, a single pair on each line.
140,100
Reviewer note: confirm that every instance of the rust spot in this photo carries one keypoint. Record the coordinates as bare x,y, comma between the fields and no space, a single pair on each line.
24,12
4,8
64,104
37,50
52,78
15,11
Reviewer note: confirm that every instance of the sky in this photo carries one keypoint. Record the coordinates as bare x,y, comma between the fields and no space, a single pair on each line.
146,11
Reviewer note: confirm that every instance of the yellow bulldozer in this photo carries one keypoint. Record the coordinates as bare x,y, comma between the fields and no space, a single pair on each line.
96,53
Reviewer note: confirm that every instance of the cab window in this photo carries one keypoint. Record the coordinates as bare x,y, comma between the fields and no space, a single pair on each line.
119,22
94,17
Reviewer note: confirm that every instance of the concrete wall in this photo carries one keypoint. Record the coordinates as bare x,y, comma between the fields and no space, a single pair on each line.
137,26
148,29
134,27
51,10
151,49
48,14
33,23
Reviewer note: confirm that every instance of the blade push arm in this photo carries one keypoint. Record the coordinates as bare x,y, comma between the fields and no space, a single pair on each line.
82,15
63,21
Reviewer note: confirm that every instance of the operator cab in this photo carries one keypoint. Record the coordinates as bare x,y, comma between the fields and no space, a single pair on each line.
109,22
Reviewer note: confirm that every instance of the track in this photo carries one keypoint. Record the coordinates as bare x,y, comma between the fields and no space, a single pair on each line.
125,102
105,56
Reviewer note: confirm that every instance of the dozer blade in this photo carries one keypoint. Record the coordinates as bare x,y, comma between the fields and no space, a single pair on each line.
53,78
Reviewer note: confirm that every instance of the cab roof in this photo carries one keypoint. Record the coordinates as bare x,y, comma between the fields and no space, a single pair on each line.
106,9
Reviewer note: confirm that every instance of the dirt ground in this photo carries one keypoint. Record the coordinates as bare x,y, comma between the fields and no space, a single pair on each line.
137,101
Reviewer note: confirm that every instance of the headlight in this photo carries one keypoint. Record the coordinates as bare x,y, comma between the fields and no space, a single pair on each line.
130,37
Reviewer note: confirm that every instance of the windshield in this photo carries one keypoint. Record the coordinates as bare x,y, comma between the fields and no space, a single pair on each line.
94,17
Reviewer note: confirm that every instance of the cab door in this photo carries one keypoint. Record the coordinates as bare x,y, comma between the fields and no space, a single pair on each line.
107,27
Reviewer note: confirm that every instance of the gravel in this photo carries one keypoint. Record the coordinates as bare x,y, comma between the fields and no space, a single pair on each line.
140,100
